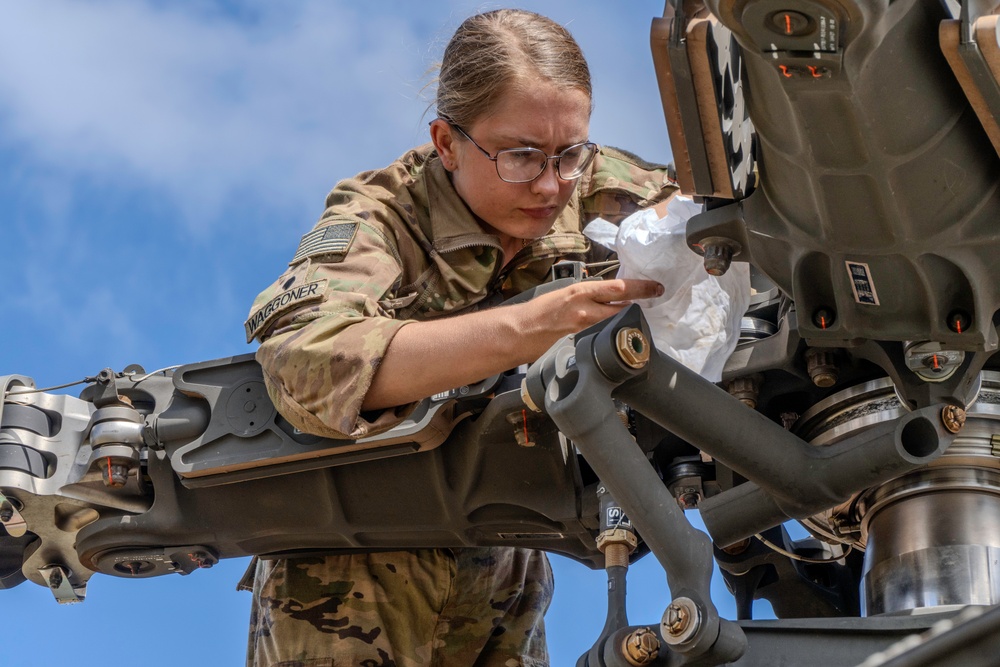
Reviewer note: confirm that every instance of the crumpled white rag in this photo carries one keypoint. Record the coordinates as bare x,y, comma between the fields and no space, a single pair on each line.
697,320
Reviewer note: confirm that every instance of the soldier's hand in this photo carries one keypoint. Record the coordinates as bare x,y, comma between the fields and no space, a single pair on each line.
571,309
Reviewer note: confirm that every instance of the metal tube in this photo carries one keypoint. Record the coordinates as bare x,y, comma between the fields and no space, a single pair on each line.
934,548
835,473
738,513
184,419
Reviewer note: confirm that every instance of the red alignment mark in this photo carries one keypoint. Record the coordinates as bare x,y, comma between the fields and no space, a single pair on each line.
524,418
936,366
958,325
822,321
816,75
109,471
784,70
788,24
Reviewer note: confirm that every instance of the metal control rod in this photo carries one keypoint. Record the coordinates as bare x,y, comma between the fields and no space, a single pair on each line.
790,477
577,396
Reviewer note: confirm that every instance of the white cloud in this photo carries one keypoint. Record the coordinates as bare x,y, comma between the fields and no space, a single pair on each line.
205,106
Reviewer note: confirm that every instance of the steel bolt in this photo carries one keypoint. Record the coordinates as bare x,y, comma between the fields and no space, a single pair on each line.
641,647
688,497
953,418
822,367
681,621
959,321
788,420
718,257
633,348
746,389
525,434
737,548
6,512
677,619
114,475
824,317
201,559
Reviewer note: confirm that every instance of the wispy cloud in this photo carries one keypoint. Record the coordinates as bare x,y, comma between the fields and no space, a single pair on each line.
205,106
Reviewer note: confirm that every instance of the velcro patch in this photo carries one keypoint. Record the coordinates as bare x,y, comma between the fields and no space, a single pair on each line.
329,240
283,302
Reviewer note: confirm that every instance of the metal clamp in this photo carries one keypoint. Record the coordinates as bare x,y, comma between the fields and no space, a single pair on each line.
11,518
57,579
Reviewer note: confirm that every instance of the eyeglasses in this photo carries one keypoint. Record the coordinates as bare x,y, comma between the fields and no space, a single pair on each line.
523,165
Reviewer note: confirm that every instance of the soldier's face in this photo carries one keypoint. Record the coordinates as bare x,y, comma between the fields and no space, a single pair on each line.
537,115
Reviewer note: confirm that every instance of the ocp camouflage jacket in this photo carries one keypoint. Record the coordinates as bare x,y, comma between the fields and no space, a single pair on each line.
397,245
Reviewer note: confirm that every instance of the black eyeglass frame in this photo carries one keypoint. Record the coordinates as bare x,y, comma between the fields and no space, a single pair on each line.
593,152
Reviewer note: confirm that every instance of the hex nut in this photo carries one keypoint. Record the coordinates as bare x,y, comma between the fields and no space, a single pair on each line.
633,347
681,621
641,647
953,418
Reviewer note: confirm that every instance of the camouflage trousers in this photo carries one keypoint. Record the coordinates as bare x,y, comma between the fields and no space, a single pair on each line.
480,607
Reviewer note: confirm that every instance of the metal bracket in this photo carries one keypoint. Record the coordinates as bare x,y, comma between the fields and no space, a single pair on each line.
57,579
11,518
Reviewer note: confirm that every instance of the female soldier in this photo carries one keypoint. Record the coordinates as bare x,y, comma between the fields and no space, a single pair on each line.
400,271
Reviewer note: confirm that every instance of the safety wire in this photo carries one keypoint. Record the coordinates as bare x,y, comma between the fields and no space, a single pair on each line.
604,267
805,559
131,375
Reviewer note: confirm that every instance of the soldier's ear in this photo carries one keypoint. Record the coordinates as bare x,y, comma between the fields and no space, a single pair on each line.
443,137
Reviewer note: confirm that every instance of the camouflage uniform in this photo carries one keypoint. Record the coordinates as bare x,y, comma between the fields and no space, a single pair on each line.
393,246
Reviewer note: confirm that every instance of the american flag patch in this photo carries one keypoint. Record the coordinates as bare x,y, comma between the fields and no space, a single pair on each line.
330,240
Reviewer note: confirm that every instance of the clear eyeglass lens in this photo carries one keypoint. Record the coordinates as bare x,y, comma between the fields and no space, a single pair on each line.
520,165
574,160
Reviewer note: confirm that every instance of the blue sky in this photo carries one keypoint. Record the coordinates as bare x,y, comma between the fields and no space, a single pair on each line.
160,162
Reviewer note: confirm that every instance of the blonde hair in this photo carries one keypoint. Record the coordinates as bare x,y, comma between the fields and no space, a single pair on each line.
494,51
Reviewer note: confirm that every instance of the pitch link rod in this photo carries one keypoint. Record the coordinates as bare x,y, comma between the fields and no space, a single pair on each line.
836,473
577,396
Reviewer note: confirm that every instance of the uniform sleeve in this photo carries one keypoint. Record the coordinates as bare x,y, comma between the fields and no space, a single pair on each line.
619,183
324,332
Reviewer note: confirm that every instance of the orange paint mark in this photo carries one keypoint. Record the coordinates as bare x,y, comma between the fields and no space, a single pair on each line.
784,70
524,419
788,24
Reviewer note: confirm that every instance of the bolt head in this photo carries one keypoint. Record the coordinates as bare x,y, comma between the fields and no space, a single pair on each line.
718,257
953,418
632,346
641,647
114,475
681,621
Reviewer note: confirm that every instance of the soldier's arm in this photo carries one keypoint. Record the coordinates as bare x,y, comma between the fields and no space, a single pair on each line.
425,358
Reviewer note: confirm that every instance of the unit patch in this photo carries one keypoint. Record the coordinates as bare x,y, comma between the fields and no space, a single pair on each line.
267,313
329,240
862,283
